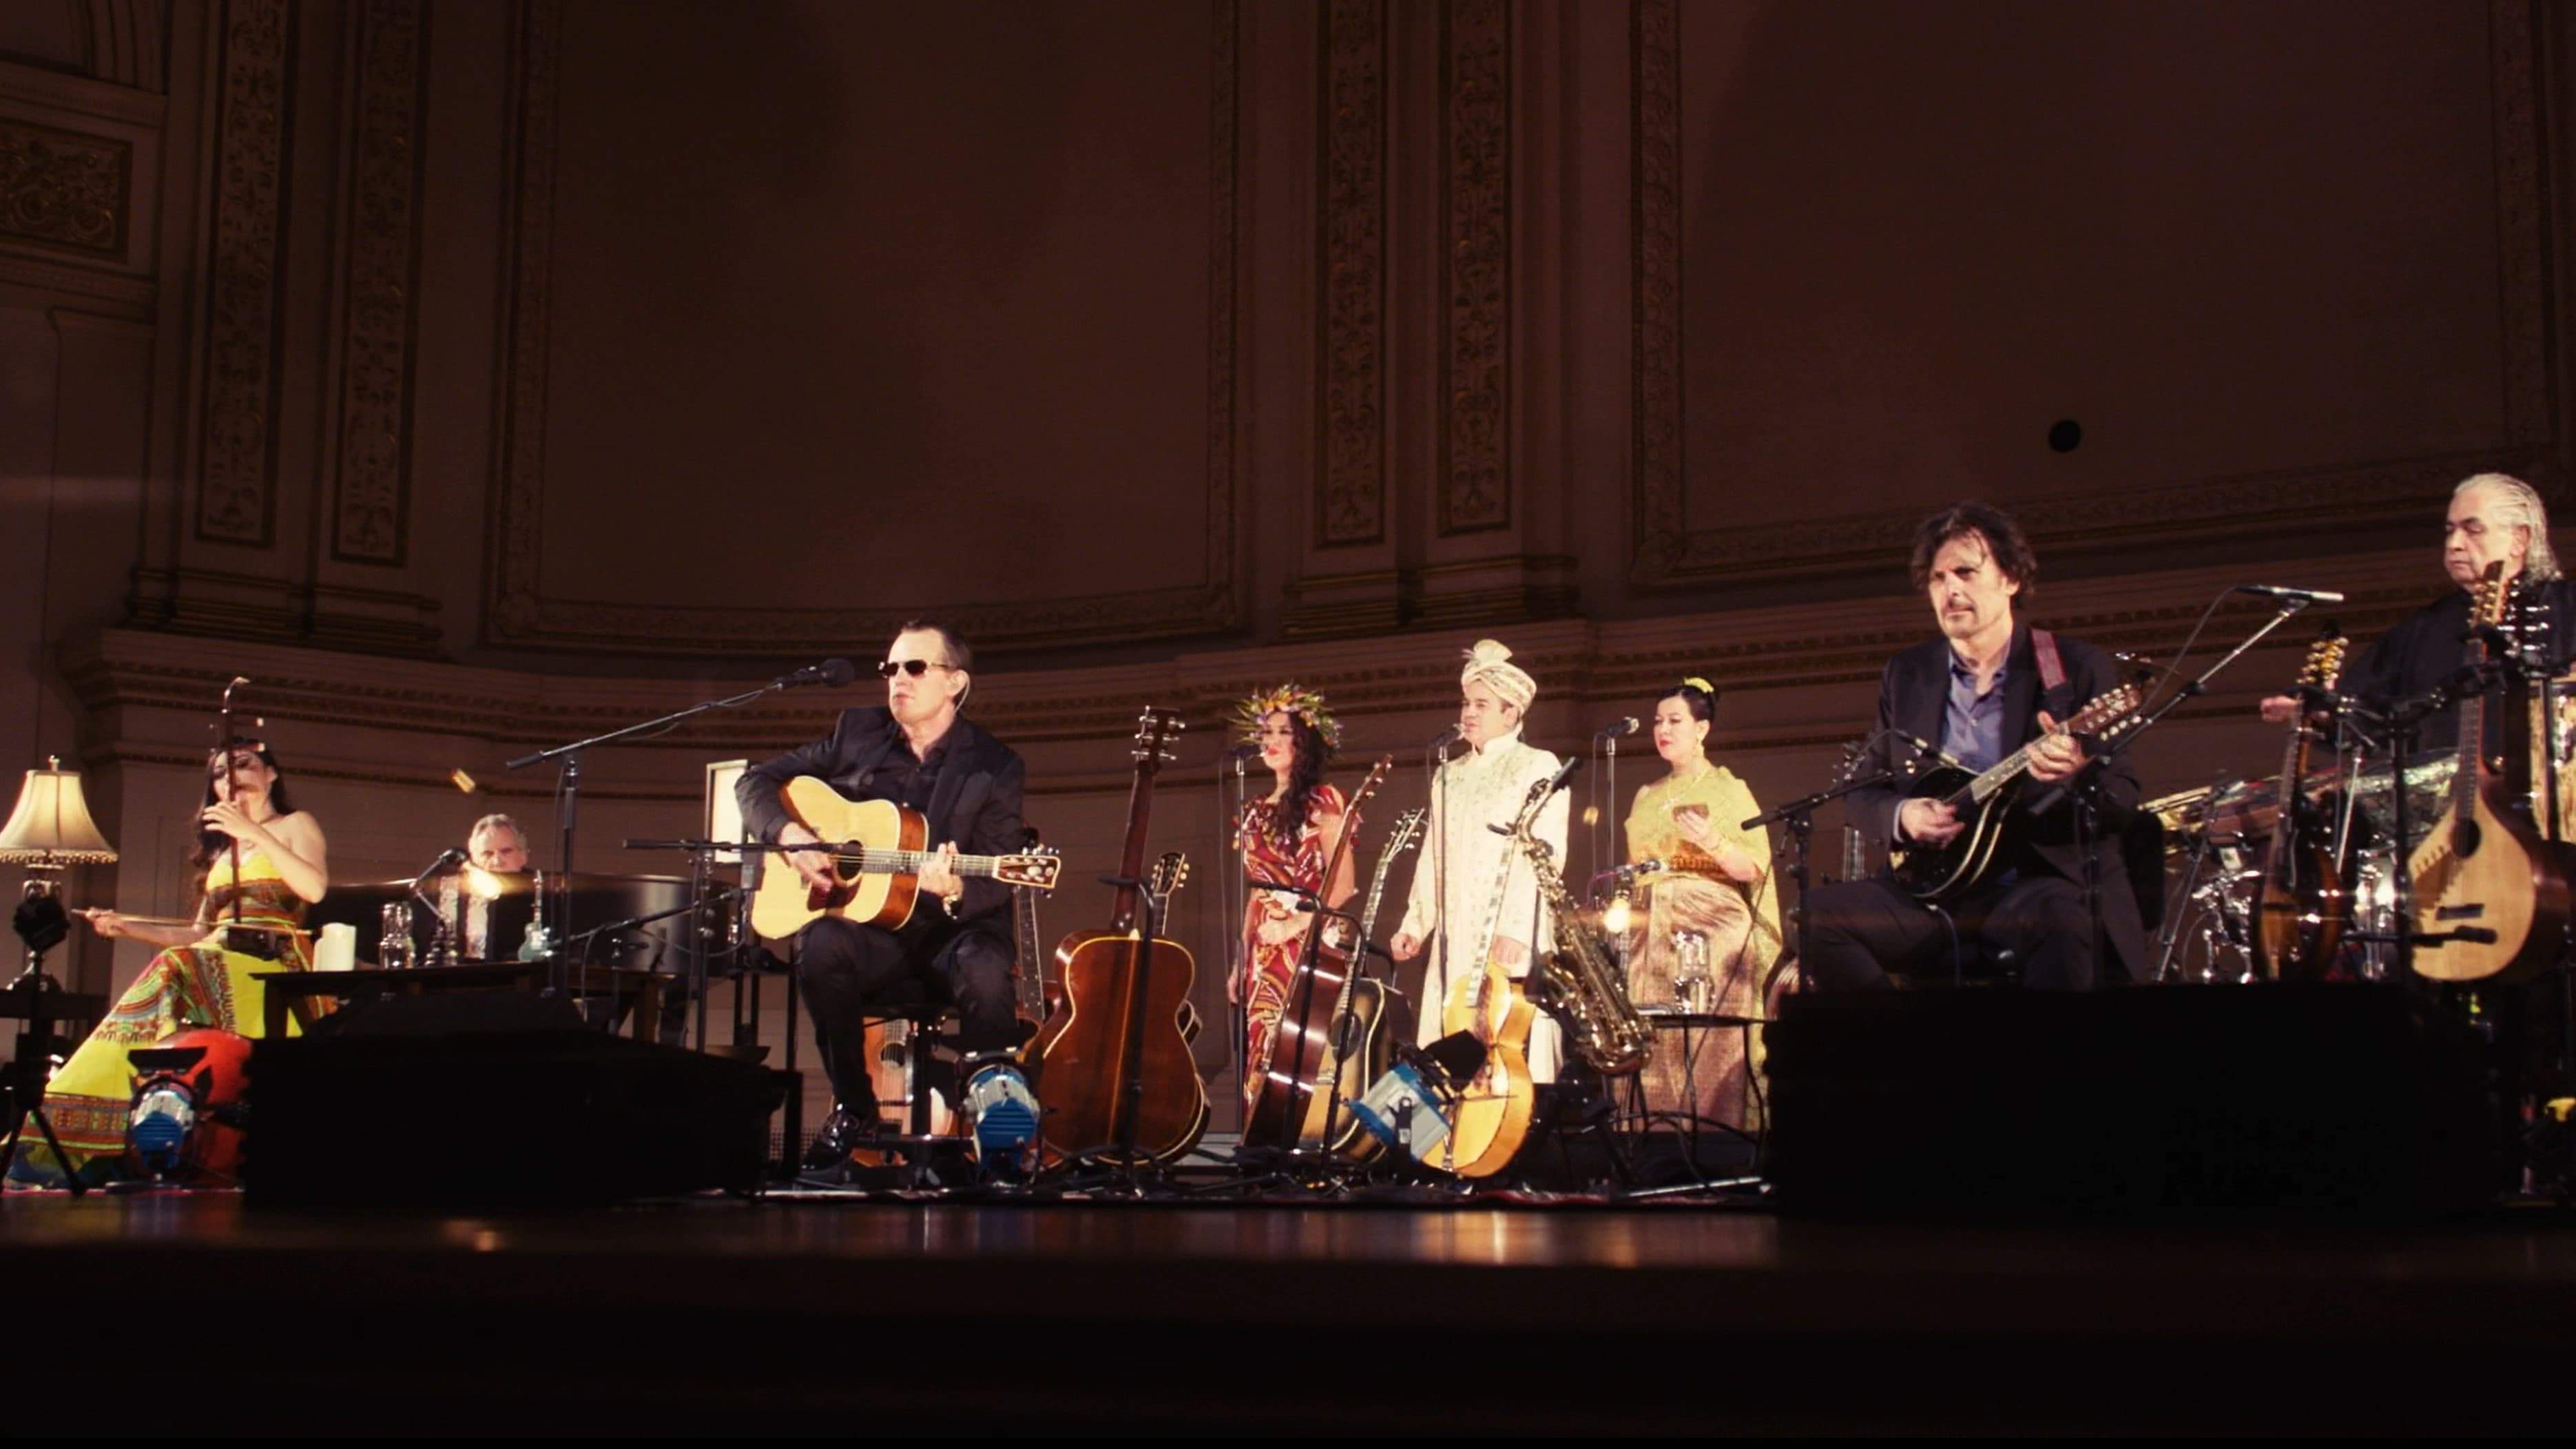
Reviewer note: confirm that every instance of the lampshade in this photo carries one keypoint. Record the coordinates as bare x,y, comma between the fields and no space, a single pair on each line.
51,826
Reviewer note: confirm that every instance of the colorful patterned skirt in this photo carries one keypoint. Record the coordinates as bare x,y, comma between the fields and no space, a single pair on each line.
89,1098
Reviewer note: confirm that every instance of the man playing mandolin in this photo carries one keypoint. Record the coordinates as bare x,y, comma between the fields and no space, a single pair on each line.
1985,689
918,753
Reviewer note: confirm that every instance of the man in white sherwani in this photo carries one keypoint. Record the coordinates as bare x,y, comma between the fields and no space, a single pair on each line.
1470,886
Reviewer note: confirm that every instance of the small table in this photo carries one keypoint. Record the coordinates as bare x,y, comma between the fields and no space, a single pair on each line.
288,989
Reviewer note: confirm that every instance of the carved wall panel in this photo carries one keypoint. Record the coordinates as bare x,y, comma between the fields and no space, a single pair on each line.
2142,294
1476,133
63,189
378,284
236,482
912,384
1351,506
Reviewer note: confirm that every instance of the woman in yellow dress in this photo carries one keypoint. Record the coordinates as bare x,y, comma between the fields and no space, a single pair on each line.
206,975
1711,900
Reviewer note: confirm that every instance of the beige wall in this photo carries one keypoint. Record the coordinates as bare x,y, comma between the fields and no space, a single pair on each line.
477,376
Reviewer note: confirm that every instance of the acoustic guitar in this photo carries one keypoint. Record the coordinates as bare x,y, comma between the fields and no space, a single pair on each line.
1984,804
1364,1026
877,851
2485,872
2300,912
1121,1084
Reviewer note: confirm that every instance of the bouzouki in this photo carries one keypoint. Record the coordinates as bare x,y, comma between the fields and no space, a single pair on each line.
1284,1109
2485,870
1984,804
2299,914
1121,1083
877,851
1362,1039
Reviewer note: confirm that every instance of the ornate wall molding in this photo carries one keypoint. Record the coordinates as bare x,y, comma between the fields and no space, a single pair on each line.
1667,552
1350,505
519,614
64,190
237,440
1475,362
379,284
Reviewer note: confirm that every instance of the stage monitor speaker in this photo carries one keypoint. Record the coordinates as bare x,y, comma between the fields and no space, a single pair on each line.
2297,1099
480,1101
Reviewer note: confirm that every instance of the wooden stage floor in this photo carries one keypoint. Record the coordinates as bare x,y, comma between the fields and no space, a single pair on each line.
200,1314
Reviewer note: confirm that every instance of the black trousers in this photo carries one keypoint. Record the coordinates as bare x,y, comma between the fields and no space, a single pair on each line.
1861,931
849,972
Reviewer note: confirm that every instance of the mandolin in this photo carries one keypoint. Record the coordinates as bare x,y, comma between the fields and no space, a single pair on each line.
1984,801
1121,1083
2484,870
2299,914
1283,1106
878,848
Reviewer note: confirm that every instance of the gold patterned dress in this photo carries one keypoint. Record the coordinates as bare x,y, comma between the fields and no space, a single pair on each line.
203,983
1740,929
1270,966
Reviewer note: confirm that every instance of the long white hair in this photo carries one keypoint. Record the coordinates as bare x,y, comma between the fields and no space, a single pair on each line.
2518,503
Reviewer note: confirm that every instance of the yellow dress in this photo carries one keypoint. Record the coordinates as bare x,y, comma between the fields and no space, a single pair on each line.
1741,927
200,984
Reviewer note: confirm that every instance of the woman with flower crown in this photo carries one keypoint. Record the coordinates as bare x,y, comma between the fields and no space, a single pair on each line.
1286,838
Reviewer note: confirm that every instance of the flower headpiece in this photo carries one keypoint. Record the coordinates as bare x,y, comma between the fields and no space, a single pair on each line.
1304,703
1702,685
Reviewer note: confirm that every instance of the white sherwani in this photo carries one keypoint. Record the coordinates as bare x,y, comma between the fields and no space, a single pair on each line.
1481,789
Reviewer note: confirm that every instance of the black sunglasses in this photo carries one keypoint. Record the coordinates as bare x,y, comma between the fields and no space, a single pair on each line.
888,669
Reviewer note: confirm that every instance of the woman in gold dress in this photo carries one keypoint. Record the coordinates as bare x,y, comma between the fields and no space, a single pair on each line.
207,972
1710,906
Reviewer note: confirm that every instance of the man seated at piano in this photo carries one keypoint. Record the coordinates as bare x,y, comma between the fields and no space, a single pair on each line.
490,906
919,752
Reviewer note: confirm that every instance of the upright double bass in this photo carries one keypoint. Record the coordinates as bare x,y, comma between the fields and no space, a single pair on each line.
1121,1084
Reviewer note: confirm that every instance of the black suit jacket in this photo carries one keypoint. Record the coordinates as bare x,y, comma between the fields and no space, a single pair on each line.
1914,695
975,803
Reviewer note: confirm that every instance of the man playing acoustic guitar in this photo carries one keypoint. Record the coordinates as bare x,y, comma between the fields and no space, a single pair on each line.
918,753
1985,689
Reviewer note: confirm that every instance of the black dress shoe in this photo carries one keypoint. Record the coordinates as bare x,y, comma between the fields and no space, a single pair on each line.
842,1131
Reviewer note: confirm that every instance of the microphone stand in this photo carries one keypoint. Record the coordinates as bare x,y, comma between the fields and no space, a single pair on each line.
567,761
1799,818
2084,785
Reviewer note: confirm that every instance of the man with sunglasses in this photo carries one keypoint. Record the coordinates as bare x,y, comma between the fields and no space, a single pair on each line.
918,752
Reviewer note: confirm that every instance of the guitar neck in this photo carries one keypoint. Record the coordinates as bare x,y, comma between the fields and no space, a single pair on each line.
910,862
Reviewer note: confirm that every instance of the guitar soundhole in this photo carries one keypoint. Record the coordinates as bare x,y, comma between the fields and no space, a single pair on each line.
2466,838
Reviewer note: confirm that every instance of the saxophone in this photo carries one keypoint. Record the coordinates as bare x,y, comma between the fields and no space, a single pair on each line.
1582,978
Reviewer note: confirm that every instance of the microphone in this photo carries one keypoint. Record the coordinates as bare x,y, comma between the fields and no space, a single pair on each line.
1241,753
1563,773
450,856
832,672
2290,595
1449,736
1617,728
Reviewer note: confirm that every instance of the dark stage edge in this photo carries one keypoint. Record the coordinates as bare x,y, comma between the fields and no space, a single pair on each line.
201,1315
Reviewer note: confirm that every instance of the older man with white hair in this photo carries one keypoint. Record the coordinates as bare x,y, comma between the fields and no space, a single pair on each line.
2493,517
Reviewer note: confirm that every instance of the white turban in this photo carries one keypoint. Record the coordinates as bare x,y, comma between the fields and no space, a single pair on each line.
1491,663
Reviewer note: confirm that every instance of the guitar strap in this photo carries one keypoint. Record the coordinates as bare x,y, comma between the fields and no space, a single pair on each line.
2052,670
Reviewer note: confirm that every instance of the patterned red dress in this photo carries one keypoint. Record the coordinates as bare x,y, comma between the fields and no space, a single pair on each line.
1275,922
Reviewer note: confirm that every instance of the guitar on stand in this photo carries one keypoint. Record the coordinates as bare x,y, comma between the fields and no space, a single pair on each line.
1035,996
1121,1083
1363,1029
2302,908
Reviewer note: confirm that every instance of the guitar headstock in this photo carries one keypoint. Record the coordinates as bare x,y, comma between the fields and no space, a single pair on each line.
1155,731
2105,709
2486,608
1168,875
1376,776
2325,659
1407,830
1036,869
